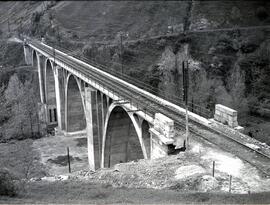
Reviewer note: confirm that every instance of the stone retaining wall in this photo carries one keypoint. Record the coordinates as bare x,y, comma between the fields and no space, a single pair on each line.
226,115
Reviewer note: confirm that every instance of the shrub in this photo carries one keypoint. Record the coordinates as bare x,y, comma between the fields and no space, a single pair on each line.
261,13
7,187
36,16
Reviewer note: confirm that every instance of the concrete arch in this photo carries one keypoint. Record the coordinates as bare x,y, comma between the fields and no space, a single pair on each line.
106,145
75,106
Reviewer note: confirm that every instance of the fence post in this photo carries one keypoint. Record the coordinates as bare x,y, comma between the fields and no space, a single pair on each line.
213,171
69,168
230,184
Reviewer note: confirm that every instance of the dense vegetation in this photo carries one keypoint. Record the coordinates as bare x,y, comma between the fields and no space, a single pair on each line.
18,95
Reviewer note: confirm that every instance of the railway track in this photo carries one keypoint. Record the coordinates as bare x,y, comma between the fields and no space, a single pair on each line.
225,142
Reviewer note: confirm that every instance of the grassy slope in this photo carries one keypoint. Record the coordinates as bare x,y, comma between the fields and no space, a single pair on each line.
20,159
84,192
109,17
227,14
14,11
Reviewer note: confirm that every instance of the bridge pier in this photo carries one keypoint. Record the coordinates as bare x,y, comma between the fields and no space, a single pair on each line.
57,95
92,128
42,117
40,66
27,54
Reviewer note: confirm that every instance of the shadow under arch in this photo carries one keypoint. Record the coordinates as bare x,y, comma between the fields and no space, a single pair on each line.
75,112
50,95
34,59
122,138
146,137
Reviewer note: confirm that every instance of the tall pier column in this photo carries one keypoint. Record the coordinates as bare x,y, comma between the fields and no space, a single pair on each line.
58,100
40,78
27,54
92,130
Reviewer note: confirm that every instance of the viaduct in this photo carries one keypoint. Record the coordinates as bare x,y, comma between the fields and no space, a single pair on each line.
122,122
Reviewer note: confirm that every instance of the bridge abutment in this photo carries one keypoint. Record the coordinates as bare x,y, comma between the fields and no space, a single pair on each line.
162,134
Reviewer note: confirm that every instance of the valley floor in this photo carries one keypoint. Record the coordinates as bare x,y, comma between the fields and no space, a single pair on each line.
182,178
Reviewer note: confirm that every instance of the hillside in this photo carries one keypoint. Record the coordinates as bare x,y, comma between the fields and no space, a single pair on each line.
228,66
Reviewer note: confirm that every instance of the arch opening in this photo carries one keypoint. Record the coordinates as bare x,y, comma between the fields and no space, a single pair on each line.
50,94
104,102
34,59
122,143
75,111
146,137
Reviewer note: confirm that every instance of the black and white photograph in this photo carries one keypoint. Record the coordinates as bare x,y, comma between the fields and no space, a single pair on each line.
135,102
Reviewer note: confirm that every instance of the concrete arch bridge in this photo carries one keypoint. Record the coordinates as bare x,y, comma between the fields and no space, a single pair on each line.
121,121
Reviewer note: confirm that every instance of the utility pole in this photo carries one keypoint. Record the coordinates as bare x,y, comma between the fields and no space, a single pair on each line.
53,56
20,25
8,26
185,97
121,52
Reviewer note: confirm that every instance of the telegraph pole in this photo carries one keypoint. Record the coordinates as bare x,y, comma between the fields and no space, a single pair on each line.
185,97
8,26
21,25
121,51
53,56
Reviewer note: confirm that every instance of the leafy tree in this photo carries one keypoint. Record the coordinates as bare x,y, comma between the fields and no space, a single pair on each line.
23,108
14,95
30,107
237,91
3,105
